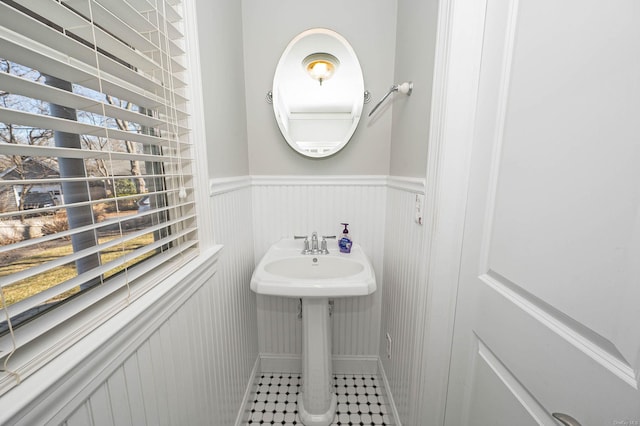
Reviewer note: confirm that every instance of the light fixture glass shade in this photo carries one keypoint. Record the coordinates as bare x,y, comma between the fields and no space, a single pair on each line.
320,66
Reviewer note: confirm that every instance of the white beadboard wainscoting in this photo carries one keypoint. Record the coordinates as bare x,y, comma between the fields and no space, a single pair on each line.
381,213
403,313
193,367
180,354
284,206
190,355
232,227
184,353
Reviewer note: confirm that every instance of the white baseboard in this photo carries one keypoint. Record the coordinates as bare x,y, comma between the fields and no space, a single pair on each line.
279,363
243,414
389,397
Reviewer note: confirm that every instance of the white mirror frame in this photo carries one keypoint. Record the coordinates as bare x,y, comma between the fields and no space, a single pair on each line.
318,120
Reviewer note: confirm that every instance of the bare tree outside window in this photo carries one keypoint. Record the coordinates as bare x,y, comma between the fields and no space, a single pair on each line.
93,190
16,134
96,188
141,186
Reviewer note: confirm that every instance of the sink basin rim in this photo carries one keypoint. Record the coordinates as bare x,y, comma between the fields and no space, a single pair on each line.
361,283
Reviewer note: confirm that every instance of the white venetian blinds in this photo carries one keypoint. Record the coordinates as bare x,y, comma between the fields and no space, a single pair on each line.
95,160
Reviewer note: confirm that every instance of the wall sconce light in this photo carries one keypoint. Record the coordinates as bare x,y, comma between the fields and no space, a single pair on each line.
320,66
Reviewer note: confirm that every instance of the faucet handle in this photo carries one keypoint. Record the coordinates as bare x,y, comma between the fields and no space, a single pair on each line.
306,249
323,246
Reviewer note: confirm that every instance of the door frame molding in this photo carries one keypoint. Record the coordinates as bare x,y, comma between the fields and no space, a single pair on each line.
455,87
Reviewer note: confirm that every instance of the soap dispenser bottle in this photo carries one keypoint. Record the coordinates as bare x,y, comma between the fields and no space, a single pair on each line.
345,242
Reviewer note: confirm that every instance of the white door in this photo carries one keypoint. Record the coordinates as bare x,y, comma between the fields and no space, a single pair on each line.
548,313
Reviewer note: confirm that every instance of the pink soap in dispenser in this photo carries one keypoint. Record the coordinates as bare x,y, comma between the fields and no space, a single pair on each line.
345,242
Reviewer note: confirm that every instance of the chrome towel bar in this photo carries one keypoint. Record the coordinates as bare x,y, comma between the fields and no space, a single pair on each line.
406,88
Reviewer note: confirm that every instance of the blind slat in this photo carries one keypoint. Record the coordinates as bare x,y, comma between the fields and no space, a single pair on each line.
58,180
132,17
45,35
22,50
43,267
123,63
171,14
48,151
171,31
32,89
106,223
67,19
164,9
45,210
40,121
25,335
128,24
78,280
119,8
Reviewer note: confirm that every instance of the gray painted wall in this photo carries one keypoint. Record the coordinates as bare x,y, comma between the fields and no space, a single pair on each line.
268,26
249,37
415,53
220,40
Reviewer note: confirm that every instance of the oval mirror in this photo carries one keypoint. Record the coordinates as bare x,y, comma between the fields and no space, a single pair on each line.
318,92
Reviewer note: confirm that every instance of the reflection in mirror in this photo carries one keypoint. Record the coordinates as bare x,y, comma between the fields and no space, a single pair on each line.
318,92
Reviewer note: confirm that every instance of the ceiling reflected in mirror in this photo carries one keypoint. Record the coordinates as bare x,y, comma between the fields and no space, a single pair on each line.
318,92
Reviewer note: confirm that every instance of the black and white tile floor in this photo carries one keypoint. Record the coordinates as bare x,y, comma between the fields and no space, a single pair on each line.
360,400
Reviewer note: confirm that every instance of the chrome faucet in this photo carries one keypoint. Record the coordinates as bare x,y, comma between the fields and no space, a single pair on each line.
314,247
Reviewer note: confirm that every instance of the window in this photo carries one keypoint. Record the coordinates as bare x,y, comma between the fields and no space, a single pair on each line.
95,161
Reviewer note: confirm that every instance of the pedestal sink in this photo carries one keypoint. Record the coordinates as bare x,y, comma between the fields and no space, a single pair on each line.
285,271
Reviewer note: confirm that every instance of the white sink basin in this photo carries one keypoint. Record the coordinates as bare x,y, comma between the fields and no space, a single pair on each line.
284,271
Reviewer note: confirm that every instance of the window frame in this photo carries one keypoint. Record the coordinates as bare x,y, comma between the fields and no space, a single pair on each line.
54,332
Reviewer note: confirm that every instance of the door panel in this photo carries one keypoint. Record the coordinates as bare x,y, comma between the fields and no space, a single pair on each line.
548,316
569,160
497,396
561,369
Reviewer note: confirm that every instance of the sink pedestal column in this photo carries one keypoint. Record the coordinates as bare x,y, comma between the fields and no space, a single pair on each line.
317,401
